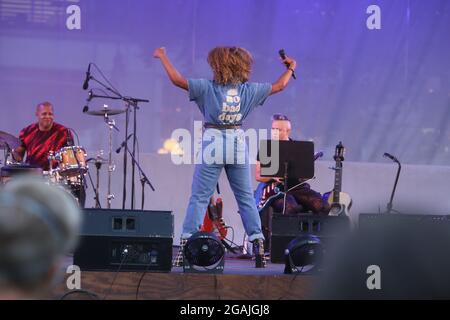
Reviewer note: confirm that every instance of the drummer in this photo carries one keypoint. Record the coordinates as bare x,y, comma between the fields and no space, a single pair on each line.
38,139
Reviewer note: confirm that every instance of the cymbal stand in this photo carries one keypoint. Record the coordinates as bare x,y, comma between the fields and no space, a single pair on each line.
111,167
8,152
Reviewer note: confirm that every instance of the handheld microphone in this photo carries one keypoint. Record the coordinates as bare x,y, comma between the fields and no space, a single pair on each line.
283,56
390,156
123,143
88,77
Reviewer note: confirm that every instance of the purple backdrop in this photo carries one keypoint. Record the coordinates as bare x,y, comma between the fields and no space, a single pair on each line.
385,90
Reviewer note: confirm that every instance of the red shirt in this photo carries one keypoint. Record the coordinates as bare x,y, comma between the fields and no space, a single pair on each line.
39,143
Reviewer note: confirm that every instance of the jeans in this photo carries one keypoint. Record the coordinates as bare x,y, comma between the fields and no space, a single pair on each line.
228,150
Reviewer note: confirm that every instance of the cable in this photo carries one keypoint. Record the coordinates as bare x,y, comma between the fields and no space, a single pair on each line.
76,134
232,229
125,252
89,293
290,286
97,200
140,280
104,77
106,93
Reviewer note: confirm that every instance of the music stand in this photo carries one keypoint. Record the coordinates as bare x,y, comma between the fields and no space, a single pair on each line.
295,162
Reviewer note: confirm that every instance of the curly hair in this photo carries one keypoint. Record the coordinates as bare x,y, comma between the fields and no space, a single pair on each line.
230,65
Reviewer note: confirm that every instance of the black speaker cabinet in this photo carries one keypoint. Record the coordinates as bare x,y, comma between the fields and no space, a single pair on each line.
287,227
125,240
376,222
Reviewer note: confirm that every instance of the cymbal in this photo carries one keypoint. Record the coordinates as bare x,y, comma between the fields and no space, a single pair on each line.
8,139
103,112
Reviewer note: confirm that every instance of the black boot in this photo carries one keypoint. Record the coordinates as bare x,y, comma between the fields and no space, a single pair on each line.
258,251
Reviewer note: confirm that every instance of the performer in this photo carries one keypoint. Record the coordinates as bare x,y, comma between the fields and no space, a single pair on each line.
38,139
225,102
302,198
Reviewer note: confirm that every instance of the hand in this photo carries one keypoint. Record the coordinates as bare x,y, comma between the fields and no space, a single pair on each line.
159,53
278,180
290,63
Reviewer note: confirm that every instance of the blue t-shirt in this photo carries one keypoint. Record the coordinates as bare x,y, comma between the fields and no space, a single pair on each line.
229,104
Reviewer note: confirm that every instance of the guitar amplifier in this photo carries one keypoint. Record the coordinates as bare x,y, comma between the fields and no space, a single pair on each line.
287,227
125,240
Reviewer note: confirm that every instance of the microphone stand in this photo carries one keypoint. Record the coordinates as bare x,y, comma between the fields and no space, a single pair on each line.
129,102
144,179
8,151
389,205
96,196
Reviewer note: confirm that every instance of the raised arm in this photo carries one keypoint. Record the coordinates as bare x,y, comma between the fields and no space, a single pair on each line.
174,76
282,82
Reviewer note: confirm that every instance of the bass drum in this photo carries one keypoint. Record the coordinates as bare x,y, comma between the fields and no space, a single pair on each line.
12,171
73,185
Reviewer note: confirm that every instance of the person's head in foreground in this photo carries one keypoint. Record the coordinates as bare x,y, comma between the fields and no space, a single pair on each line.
39,224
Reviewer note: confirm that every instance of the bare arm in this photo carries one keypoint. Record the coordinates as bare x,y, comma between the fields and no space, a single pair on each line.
174,76
18,153
264,179
282,82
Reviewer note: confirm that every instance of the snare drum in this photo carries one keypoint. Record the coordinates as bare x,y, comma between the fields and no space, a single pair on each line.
72,161
52,177
13,170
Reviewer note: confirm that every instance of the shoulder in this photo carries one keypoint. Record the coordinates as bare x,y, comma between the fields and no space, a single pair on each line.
58,127
257,85
29,128
200,83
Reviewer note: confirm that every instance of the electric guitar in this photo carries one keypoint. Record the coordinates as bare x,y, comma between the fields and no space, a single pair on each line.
340,202
213,220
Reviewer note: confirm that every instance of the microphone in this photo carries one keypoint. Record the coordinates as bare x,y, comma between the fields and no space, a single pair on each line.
88,77
69,140
86,107
123,143
390,156
283,56
318,155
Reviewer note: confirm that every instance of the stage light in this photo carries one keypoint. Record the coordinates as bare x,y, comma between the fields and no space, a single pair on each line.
203,252
303,254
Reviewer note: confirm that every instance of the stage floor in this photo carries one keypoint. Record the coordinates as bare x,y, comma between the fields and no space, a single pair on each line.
240,280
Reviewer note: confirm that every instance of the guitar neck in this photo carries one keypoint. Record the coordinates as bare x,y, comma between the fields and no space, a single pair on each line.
337,181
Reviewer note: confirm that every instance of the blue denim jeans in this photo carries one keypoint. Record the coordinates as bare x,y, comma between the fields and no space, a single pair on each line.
228,150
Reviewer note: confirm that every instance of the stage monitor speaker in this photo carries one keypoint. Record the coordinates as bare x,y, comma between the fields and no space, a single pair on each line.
374,222
125,240
287,227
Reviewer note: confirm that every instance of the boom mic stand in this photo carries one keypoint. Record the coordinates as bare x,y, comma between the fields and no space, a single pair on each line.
144,179
130,103
390,205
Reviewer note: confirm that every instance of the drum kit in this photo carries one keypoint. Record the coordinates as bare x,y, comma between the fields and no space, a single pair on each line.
68,165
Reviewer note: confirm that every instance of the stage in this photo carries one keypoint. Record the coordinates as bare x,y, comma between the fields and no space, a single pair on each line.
239,281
